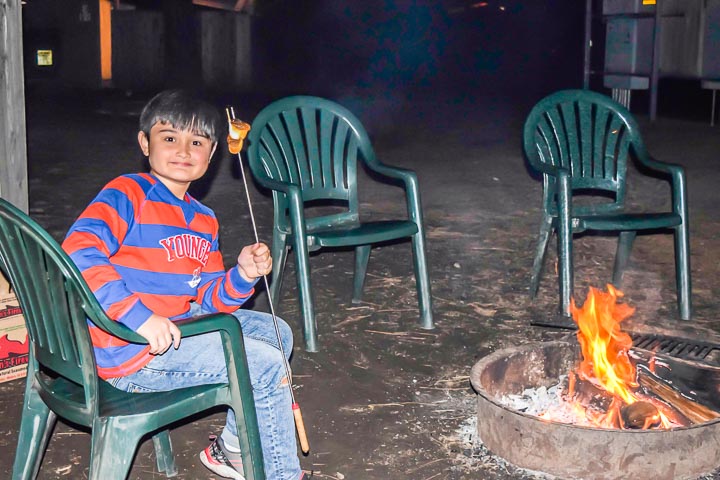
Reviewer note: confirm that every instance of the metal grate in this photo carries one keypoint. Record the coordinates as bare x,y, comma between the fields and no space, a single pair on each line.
677,347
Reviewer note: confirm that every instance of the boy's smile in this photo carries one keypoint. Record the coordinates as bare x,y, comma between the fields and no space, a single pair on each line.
177,157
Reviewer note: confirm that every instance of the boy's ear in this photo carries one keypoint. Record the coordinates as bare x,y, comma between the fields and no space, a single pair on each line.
144,142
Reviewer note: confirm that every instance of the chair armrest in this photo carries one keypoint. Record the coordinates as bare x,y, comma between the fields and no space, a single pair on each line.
678,181
188,327
407,177
291,190
656,165
272,184
212,322
409,181
397,173
295,201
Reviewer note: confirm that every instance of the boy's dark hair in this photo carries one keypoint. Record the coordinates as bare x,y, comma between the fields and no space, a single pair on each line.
183,111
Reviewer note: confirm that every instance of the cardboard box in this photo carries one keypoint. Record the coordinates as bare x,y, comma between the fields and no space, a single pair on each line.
13,336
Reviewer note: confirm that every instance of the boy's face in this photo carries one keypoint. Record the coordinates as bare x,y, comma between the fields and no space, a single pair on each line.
177,157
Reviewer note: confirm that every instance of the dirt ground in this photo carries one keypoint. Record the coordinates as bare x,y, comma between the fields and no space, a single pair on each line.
383,399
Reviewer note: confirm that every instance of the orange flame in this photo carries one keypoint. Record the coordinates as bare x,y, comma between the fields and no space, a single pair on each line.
604,346
606,364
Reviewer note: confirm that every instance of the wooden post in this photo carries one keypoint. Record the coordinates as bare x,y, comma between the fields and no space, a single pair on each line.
243,51
655,72
587,50
13,150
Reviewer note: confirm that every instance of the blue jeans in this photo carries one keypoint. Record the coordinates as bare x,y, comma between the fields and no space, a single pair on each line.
200,361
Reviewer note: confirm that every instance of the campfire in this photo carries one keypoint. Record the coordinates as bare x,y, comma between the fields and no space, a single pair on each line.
608,388
642,414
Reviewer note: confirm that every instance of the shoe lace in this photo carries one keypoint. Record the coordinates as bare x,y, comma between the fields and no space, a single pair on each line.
215,450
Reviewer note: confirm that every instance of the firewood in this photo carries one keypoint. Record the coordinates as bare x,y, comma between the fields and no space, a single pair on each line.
640,415
695,412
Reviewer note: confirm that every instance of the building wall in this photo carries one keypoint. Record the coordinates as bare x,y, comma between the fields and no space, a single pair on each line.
138,52
71,30
225,41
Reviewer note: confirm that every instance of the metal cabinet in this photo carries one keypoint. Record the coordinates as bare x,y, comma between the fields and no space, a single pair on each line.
649,39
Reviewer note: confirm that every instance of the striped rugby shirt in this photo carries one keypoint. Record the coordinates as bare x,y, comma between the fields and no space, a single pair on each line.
142,251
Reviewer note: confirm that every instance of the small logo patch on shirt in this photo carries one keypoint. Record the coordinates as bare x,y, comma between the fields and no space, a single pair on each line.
196,278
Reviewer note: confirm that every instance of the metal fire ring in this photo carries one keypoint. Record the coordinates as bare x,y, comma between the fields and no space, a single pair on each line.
576,452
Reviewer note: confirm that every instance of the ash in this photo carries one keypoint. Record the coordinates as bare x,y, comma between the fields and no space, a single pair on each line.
547,403
536,401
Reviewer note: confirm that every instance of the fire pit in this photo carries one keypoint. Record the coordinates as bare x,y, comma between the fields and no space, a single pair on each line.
578,452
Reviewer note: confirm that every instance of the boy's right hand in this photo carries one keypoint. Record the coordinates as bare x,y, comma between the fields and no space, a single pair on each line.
160,333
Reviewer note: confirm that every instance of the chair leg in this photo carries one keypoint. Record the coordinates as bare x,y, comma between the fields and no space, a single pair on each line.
36,428
164,454
422,281
622,255
565,278
279,256
302,264
565,238
112,450
682,271
543,236
362,256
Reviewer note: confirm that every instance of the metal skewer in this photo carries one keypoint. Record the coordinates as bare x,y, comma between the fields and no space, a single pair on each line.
299,424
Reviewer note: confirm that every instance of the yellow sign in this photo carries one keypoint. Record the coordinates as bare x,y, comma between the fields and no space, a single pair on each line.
44,58
648,2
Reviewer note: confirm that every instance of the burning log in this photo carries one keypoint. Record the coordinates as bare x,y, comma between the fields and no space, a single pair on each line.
586,393
693,411
640,415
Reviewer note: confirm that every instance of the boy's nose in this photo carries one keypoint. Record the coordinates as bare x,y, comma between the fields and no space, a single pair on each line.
184,150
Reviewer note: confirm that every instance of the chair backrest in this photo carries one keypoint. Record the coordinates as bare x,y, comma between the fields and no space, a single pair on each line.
313,143
56,304
587,134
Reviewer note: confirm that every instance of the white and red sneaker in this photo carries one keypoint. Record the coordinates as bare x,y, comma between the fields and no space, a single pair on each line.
220,461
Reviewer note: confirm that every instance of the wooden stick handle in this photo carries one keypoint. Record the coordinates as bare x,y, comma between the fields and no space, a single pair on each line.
300,426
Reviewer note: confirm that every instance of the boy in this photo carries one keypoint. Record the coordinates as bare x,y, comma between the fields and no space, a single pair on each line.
149,251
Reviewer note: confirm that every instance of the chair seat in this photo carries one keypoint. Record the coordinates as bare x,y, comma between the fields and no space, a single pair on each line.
118,403
364,233
628,221
624,221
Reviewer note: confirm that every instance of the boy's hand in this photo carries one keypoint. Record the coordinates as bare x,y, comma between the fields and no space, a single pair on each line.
160,333
254,261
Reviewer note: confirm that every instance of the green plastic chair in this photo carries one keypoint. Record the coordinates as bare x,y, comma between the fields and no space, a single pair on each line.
305,149
62,379
580,141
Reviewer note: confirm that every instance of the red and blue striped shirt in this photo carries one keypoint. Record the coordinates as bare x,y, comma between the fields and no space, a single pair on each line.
143,251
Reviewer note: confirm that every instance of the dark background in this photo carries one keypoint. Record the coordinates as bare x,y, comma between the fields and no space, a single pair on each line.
422,46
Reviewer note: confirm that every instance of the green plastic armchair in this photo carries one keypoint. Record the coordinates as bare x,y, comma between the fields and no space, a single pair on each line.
305,149
580,142
62,380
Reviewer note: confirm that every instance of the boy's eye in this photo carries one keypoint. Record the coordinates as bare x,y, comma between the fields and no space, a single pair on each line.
197,143
169,139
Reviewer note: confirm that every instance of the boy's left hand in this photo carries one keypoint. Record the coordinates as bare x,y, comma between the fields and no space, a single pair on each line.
254,261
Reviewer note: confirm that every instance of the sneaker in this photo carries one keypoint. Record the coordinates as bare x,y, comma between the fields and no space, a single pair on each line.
220,461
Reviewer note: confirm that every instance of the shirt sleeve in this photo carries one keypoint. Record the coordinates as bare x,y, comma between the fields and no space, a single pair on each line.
93,239
220,290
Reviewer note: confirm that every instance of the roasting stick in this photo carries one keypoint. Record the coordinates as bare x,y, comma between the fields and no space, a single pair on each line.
238,131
